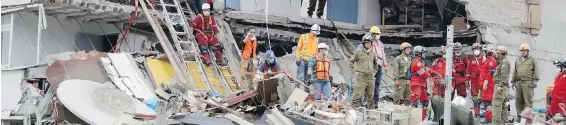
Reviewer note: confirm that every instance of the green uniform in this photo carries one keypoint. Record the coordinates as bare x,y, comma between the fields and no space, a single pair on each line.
365,68
526,71
403,91
501,78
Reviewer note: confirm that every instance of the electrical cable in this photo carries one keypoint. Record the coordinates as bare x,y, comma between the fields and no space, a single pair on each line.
103,32
84,32
74,43
20,31
132,18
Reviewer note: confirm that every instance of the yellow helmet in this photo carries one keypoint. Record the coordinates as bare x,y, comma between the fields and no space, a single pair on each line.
501,49
524,46
375,29
404,45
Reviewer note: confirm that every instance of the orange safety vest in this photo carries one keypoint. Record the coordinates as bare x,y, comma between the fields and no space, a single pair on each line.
322,67
250,48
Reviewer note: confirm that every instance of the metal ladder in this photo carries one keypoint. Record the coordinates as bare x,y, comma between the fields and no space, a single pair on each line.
184,41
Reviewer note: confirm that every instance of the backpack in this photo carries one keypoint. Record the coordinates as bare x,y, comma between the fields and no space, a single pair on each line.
408,73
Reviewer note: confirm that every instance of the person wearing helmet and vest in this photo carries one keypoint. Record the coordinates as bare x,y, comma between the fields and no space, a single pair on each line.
418,81
486,77
558,94
306,49
248,54
525,78
319,71
438,72
269,66
459,71
205,29
400,65
378,49
473,75
364,64
501,78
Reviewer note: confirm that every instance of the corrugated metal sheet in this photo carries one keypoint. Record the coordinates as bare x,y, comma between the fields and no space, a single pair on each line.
343,10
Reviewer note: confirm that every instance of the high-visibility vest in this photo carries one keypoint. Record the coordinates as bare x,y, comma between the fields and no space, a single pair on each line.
207,27
308,48
322,67
250,49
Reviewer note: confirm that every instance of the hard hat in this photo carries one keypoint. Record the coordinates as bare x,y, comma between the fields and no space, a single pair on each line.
322,46
457,45
404,45
205,6
270,54
366,38
419,49
489,48
315,27
375,29
501,49
524,46
476,46
560,62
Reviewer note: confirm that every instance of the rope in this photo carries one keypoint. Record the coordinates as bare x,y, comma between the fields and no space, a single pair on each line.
84,32
128,47
267,25
103,32
75,44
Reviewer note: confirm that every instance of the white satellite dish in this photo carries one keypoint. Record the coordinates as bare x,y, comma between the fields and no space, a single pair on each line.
98,104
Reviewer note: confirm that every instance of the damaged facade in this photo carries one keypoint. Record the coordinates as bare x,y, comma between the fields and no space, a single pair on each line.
80,35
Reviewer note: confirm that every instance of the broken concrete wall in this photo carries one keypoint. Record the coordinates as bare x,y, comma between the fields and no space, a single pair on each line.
500,21
55,39
11,82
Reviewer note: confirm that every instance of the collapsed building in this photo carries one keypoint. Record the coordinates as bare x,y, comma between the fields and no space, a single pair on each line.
95,25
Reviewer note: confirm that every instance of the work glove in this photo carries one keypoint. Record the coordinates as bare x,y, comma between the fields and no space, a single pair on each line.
298,62
534,84
491,71
513,85
484,84
308,79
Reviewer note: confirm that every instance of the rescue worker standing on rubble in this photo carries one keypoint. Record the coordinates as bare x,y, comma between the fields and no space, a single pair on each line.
248,54
365,68
401,64
501,78
205,28
459,71
306,49
525,78
419,78
438,73
486,76
377,48
558,94
319,71
473,74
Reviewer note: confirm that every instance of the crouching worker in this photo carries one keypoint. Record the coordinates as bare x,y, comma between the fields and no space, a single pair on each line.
319,71
365,69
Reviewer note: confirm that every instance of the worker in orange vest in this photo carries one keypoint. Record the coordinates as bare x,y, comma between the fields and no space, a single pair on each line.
473,75
205,28
438,72
306,49
248,54
486,76
559,91
319,71
419,77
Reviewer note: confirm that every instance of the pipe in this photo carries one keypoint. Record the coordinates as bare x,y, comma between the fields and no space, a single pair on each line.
41,24
448,77
11,39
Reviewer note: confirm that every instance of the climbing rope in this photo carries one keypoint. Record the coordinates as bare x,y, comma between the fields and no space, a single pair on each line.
266,24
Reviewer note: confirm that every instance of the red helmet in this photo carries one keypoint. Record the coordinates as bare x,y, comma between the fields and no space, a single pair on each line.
476,46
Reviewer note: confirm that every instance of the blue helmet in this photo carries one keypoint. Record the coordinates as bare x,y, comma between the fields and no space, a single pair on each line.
270,54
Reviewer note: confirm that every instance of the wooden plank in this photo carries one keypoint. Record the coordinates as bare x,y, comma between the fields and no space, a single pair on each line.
534,11
537,2
531,25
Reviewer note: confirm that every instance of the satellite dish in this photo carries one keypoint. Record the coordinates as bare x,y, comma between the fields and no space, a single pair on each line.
98,104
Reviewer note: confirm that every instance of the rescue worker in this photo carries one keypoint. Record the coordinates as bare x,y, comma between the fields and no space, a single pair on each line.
501,78
271,69
401,64
438,73
268,68
378,49
365,68
205,28
419,77
558,94
248,54
525,78
319,71
459,71
473,74
486,76
306,49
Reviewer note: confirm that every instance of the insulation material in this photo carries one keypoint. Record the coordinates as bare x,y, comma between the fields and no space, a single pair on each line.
131,75
162,71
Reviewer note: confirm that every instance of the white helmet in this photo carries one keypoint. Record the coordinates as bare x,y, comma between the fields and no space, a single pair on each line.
490,48
315,27
205,6
322,46
419,49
